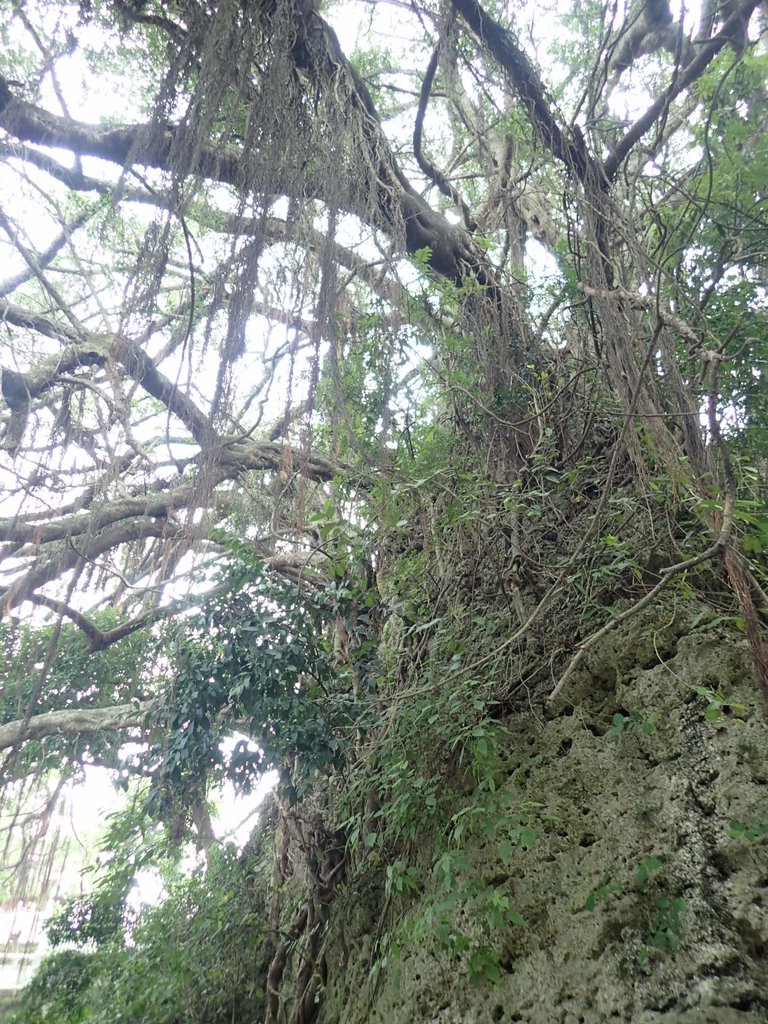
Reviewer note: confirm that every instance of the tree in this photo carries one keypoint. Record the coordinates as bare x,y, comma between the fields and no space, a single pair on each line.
324,377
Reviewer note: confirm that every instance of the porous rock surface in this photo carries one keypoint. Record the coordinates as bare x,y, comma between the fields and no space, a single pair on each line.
667,795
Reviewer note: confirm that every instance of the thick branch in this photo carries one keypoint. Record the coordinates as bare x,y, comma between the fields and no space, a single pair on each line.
97,349
568,148
71,722
273,227
52,565
153,506
650,29
688,75
429,169
20,317
142,369
397,205
148,145
100,639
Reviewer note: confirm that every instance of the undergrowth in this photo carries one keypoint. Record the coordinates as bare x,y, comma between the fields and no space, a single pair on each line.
195,958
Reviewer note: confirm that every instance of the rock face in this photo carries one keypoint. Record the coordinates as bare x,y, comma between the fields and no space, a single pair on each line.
645,897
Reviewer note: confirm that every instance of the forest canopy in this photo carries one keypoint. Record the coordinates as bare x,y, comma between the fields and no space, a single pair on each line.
350,349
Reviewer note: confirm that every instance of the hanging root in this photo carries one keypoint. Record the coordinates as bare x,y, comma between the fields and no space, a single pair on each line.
739,580
324,861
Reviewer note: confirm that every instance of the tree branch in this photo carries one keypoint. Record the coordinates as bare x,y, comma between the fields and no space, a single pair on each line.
687,76
317,51
648,30
568,148
97,349
428,168
46,257
152,506
53,565
100,639
145,144
70,722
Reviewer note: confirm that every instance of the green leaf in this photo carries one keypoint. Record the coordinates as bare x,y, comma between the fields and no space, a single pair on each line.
528,837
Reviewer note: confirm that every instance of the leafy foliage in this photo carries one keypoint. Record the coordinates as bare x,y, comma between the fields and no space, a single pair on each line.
255,659
104,915
197,957
58,992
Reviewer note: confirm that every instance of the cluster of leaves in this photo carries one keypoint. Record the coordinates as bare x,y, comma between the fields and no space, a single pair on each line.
632,724
256,661
104,915
725,270
199,957
753,830
437,777
58,994
661,916
718,705
438,759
